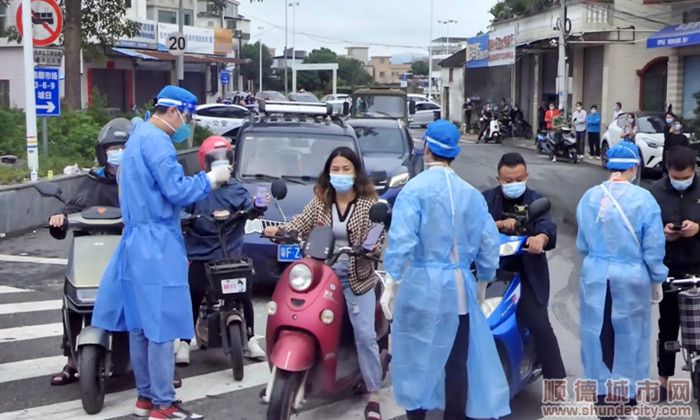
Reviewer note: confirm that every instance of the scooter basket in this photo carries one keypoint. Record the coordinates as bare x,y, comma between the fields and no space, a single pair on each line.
689,307
230,277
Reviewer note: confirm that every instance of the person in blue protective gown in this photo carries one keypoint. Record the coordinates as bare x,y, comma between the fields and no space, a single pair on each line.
144,289
444,355
620,235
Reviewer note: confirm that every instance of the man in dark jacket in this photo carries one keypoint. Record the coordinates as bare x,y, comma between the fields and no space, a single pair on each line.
542,236
678,195
674,138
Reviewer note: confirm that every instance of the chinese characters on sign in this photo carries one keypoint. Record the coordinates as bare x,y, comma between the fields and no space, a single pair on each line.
48,57
46,83
493,49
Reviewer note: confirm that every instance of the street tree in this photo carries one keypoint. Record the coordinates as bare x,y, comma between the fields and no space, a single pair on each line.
89,24
321,80
508,9
351,72
419,68
251,71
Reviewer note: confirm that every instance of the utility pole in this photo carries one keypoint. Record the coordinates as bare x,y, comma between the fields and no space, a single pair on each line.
286,83
260,59
30,105
294,31
430,53
562,68
180,63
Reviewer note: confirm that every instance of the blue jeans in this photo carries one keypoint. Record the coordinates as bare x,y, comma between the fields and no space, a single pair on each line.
154,366
361,310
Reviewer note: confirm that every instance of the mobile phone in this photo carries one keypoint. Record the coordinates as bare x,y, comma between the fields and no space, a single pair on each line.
676,227
260,195
373,236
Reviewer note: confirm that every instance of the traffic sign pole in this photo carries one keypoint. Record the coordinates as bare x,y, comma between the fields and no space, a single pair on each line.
30,105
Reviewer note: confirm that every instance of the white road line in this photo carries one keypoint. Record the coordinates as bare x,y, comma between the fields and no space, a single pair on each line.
10,335
14,308
33,260
122,403
10,289
31,368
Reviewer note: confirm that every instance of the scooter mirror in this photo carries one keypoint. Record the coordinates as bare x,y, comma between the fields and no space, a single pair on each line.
538,208
48,189
278,189
380,213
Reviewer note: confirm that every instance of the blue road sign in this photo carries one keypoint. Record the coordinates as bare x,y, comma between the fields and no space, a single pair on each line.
48,101
225,77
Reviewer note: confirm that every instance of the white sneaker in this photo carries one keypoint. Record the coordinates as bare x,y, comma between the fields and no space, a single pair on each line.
254,350
581,157
182,356
554,159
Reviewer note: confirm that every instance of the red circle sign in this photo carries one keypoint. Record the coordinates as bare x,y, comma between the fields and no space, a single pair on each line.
53,26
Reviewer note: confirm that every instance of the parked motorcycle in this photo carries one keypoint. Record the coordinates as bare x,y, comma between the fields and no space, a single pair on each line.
229,284
546,143
515,346
493,132
521,128
310,341
98,353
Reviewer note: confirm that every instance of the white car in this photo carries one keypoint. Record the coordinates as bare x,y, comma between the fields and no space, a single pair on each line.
418,98
649,139
426,112
221,119
336,101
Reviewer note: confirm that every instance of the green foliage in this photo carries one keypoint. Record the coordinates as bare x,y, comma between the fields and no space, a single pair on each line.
508,9
419,68
351,72
12,132
251,71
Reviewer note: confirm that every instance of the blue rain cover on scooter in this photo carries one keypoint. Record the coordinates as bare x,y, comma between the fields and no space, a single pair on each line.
426,317
145,284
613,256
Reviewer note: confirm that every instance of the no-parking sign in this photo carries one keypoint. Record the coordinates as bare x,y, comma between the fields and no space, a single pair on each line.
46,19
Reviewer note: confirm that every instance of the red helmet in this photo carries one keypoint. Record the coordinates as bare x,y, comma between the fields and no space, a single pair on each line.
214,148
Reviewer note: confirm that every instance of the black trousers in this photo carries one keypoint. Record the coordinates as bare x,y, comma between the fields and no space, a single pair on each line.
581,142
468,120
455,377
594,144
536,318
484,126
197,278
669,325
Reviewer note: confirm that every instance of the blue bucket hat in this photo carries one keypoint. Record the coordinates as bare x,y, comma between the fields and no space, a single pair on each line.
176,96
623,156
442,138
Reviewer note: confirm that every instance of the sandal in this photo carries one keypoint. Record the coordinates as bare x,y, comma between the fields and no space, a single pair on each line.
65,377
372,411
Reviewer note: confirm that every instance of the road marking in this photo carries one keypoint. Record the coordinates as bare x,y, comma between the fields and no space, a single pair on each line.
11,335
354,407
10,289
31,368
122,403
33,260
15,308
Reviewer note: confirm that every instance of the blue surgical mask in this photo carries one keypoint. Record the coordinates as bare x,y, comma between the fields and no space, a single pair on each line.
630,120
678,127
342,183
514,190
593,111
669,120
114,157
682,185
183,132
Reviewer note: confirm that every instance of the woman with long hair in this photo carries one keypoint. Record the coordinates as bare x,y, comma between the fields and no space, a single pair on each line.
342,199
631,129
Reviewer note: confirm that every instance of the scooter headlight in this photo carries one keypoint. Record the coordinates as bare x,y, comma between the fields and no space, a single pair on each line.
300,277
489,305
327,316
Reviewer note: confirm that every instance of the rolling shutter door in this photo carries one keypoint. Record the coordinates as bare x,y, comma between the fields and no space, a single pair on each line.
593,77
691,85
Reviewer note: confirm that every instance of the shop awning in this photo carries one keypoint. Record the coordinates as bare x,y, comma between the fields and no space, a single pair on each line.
134,53
164,56
676,36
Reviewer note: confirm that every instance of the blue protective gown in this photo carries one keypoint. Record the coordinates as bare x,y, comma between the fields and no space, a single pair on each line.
145,284
612,255
426,316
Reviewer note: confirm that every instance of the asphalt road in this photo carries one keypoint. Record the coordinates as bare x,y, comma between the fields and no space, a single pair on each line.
30,319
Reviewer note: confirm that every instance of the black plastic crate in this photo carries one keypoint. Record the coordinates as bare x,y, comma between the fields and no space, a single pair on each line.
226,276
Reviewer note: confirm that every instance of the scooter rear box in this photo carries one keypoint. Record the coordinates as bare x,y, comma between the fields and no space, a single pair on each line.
230,277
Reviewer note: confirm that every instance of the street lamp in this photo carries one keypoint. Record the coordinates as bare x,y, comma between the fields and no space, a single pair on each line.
430,53
447,22
294,5
260,59
286,84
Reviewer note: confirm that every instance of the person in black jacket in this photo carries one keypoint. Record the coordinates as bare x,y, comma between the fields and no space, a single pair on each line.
486,117
674,138
678,195
532,309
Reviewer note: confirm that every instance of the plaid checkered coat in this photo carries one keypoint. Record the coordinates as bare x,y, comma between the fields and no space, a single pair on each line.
361,270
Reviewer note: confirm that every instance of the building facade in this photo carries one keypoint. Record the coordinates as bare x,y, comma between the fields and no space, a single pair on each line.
384,72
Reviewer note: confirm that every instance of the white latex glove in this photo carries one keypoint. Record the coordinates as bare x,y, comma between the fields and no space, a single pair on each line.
657,293
481,291
388,299
219,175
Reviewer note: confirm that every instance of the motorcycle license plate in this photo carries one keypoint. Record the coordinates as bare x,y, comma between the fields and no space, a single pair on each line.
232,286
288,253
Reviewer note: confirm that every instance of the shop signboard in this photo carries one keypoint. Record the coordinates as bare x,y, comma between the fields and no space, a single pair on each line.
199,40
492,49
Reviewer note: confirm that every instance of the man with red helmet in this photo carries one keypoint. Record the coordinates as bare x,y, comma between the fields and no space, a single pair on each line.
233,197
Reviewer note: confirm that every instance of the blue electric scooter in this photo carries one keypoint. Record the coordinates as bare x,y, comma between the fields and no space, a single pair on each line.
516,348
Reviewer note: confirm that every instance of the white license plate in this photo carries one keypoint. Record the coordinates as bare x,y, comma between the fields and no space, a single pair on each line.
232,286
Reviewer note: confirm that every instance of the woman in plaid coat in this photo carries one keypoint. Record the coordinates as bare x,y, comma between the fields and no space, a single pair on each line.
343,196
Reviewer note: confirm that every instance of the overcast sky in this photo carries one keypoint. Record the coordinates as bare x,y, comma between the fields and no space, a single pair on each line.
402,25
